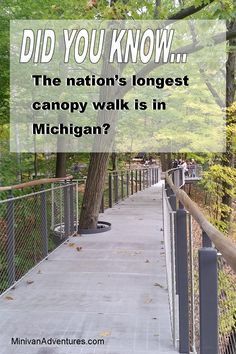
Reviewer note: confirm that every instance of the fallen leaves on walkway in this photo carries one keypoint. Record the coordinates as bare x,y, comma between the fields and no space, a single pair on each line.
30,282
78,249
71,244
127,252
159,285
8,297
136,253
105,333
122,251
148,301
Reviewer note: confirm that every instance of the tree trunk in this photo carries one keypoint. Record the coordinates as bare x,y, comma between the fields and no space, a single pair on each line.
99,160
61,164
19,170
156,9
114,161
165,161
35,166
228,156
94,190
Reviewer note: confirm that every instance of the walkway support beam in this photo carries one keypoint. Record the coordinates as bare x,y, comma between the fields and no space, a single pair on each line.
208,291
182,252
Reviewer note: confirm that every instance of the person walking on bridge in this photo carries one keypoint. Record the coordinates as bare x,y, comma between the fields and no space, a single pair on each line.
185,167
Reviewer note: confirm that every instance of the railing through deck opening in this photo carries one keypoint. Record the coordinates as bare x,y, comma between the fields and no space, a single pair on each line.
37,216
201,275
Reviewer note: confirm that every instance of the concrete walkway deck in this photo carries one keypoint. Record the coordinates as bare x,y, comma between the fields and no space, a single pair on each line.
114,288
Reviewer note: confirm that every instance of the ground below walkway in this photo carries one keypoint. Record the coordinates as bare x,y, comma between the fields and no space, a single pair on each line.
113,288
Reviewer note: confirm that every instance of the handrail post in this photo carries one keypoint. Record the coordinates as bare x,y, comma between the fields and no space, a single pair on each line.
168,190
44,228
177,179
206,242
77,205
116,186
208,300
122,185
182,176
173,204
172,201
140,179
127,183
72,228
66,211
136,180
10,242
52,207
182,254
143,178
110,190
132,182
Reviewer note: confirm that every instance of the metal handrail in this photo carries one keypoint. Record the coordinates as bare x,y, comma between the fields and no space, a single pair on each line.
133,169
48,216
43,181
224,245
36,182
33,225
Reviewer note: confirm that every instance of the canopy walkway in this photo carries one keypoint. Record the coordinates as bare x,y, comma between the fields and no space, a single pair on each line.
136,289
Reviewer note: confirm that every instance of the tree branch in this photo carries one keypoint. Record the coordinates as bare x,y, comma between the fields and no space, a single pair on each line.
191,10
157,5
210,87
214,93
188,49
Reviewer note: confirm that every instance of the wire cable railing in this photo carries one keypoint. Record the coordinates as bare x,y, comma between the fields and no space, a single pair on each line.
38,216
121,184
33,225
201,275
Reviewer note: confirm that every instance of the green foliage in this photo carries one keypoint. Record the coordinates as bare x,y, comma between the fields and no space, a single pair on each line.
213,180
227,300
13,167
